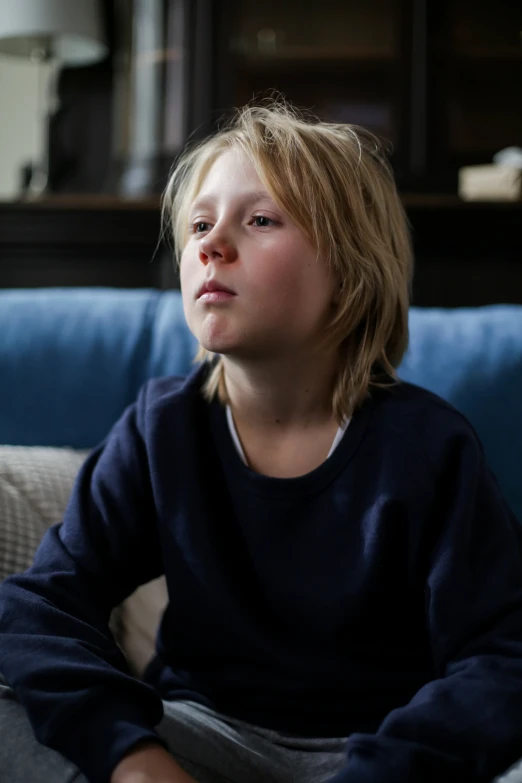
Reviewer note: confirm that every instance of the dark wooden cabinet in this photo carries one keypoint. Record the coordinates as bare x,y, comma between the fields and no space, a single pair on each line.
474,82
84,241
441,80
344,61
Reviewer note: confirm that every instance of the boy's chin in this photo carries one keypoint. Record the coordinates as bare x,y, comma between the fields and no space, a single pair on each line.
222,347
234,346
232,351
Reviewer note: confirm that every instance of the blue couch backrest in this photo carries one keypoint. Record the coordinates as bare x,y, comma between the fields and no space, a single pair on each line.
72,359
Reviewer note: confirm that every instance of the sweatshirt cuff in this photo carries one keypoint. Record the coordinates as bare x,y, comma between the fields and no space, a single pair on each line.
375,759
104,735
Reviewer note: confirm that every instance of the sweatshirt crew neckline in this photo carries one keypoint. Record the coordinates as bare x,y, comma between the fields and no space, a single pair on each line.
309,483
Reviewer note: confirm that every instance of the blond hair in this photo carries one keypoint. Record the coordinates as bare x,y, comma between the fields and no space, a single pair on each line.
335,183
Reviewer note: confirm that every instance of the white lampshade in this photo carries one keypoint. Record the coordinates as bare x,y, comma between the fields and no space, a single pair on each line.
71,30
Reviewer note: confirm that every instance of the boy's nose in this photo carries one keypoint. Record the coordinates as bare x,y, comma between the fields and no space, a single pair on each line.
215,249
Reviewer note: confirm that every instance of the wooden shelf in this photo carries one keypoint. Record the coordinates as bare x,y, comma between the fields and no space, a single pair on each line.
73,201
108,203
84,241
467,253
481,53
285,53
449,201
304,54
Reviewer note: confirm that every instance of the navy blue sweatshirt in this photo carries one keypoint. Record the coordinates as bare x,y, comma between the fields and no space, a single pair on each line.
379,596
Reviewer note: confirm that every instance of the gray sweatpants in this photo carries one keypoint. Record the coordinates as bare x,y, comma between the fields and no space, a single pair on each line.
211,747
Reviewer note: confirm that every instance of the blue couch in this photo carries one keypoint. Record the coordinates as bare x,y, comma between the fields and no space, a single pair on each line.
72,359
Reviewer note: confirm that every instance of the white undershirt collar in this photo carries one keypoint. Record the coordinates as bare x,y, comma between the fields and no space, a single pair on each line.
233,432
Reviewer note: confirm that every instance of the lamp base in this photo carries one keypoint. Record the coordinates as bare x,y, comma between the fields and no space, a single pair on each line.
34,181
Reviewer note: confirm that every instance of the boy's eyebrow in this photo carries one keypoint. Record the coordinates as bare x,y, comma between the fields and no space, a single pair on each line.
250,198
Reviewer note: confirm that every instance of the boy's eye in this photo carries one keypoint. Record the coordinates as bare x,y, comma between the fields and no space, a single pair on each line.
263,222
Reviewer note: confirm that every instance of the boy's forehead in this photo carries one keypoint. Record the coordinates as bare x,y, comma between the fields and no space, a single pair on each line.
229,167
232,173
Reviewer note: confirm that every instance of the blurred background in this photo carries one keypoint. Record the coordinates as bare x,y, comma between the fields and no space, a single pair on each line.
98,98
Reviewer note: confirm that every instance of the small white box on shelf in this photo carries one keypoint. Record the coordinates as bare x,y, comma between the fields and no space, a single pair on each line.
490,182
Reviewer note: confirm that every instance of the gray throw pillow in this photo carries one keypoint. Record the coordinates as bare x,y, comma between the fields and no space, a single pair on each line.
35,485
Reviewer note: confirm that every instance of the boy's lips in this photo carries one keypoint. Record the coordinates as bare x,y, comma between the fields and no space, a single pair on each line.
214,286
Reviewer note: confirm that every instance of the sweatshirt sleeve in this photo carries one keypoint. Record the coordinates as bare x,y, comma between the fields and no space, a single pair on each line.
56,650
466,724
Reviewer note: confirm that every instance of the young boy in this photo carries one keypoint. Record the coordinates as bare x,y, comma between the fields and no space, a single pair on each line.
344,577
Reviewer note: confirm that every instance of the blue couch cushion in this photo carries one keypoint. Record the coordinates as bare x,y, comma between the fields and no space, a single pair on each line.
72,359
472,357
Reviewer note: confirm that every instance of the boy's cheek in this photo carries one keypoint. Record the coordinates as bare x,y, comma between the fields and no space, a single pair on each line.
186,278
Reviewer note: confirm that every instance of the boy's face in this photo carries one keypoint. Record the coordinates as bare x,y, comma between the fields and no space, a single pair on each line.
281,292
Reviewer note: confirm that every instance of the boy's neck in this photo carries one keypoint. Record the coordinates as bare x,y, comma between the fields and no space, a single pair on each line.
280,394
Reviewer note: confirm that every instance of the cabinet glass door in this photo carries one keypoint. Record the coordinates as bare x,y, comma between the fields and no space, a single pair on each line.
345,61
476,54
